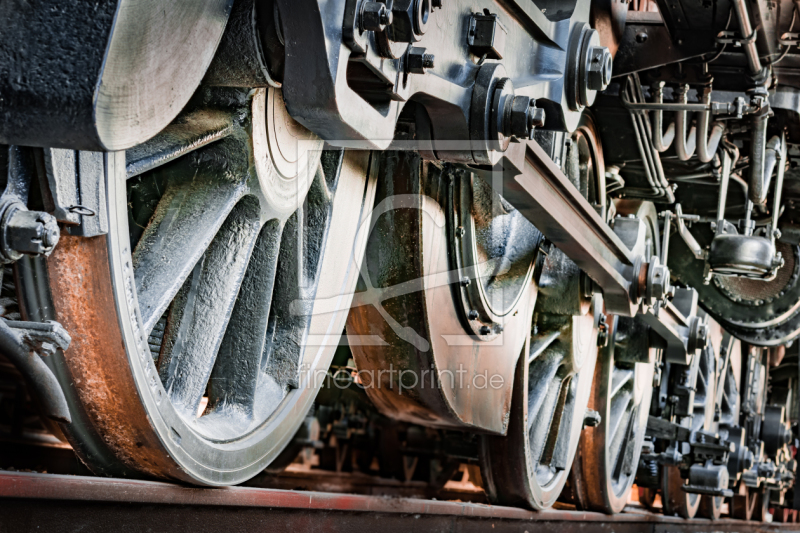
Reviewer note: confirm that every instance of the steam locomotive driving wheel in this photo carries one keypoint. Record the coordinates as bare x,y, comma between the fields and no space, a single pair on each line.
200,321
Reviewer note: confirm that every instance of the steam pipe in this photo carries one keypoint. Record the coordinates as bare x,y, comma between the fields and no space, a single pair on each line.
758,190
661,140
749,46
707,146
684,145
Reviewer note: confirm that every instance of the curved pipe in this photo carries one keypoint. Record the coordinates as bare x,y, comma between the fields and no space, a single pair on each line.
661,140
707,146
697,138
38,375
684,145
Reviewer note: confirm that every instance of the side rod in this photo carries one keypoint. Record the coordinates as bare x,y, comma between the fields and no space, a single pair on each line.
538,188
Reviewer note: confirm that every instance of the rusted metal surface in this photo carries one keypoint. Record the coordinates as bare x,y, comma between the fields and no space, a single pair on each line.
84,304
428,368
68,503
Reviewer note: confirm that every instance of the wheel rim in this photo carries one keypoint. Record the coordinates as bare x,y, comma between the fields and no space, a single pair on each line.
448,291
230,303
743,503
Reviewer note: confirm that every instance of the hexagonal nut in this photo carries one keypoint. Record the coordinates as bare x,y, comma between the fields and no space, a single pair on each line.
417,61
519,119
537,117
658,285
375,16
31,232
410,20
598,72
702,335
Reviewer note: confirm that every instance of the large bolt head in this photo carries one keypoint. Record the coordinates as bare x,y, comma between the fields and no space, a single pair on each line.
520,117
598,71
410,20
658,285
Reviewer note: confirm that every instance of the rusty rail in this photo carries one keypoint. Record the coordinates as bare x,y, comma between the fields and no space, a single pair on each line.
69,503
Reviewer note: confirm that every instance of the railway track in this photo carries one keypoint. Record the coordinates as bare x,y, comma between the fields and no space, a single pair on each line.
48,502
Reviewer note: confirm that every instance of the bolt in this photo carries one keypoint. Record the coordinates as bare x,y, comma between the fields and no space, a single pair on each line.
641,37
591,418
472,315
417,61
465,281
537,117
375,16
29,232
599,69
523,118
460,231
702,335
485,330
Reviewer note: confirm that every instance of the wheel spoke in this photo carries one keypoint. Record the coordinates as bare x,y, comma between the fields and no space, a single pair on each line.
186,134
563,419
214,287
619,379
237,371
619,426
542,427
540,380
184,224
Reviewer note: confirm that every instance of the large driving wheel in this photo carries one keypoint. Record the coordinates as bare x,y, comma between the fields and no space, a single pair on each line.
608,457
201,322
531,464
605,468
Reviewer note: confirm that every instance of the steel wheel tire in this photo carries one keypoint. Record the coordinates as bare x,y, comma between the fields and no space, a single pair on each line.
222,238
743,503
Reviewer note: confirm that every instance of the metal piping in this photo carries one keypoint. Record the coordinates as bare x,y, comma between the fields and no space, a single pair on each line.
772,155
758,191
780,159
684,144
723,191
707,145
661,140
686,235
749,45
19,342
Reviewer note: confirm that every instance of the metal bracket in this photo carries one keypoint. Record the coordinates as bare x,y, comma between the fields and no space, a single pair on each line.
77,194
23,343
732,37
